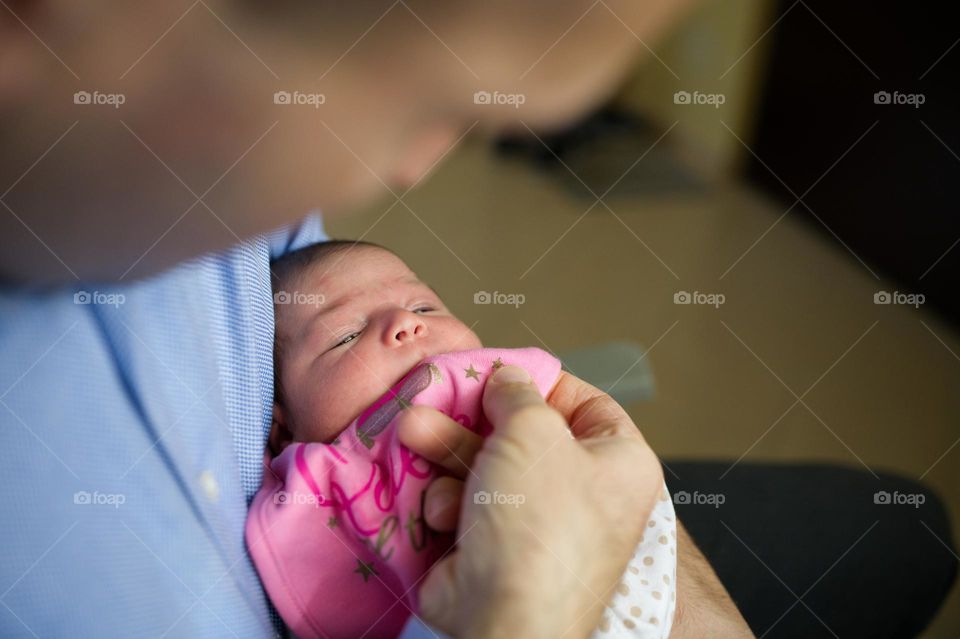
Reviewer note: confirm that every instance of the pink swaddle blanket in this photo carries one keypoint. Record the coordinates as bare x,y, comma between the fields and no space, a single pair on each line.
337,531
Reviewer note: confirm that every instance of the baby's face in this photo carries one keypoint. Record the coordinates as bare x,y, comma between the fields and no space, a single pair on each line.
376,322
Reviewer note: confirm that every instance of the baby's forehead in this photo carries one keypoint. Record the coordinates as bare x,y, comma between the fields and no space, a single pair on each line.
359,266
360,280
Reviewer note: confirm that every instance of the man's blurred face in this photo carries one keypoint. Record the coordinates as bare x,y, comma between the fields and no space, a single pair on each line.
203,122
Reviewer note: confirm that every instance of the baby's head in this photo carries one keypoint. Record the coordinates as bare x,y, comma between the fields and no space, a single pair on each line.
351,320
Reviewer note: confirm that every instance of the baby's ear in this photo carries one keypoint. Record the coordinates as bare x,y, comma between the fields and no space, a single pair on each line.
280,435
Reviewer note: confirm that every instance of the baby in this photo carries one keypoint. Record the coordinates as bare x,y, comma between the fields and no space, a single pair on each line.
337,531
352,319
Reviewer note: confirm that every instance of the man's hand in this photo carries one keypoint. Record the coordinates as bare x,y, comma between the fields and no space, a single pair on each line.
534,569
533,454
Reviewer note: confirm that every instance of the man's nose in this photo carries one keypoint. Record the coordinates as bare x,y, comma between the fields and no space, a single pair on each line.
403,326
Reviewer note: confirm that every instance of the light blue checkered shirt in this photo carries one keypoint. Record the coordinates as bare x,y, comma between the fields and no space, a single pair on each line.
133,420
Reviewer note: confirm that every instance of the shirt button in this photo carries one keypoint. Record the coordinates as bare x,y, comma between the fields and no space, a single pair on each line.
209,485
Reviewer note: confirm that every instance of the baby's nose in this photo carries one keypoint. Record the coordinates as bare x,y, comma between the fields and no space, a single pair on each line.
405,327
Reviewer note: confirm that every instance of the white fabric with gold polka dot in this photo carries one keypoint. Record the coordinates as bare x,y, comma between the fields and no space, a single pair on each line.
643,602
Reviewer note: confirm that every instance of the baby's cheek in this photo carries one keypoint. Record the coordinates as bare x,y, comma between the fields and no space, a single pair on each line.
338,398
459,337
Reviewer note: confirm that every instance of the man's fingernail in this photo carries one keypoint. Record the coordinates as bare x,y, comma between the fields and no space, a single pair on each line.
437,505
510,375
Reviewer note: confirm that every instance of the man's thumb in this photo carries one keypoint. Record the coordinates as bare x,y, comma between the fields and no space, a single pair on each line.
511,391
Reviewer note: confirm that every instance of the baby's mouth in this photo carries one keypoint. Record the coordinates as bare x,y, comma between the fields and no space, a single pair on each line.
406,371
403,393
421,355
